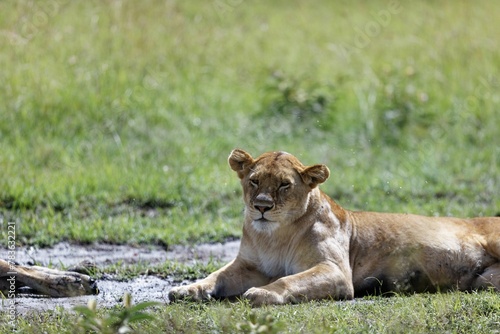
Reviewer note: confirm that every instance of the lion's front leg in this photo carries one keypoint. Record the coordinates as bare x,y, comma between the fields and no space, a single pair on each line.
321,281
45,281
231,280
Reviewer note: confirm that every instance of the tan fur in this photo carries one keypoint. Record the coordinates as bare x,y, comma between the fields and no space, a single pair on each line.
44,281
308,247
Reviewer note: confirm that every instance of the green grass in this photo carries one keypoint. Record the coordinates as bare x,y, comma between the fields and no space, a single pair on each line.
110,109
176,271
117,118
450,313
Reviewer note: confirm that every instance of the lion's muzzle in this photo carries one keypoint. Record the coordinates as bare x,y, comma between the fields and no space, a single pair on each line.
263,203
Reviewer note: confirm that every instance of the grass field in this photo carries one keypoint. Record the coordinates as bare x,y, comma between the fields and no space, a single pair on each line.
116,119
444,313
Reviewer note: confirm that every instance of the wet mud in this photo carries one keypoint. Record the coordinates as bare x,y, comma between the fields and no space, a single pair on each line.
111,291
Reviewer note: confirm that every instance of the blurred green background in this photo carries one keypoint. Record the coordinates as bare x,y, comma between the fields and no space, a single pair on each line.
117,117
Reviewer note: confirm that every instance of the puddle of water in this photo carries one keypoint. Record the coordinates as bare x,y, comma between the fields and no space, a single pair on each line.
65,254
145,288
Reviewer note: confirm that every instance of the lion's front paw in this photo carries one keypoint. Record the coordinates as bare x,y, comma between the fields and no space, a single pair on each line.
259,296
196,292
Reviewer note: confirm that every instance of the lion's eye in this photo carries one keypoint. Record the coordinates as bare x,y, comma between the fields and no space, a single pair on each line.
254,183
284,185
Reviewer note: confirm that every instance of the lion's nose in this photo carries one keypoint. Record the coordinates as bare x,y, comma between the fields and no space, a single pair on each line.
263,203
263,209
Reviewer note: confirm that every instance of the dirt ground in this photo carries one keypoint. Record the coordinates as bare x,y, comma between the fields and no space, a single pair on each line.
146,288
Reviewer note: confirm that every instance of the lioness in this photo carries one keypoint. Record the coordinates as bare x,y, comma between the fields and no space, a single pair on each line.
298,244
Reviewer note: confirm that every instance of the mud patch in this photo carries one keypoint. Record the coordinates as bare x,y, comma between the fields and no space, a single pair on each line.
144,288
66,255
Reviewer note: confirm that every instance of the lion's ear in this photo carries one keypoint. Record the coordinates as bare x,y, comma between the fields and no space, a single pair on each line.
239,161
315,175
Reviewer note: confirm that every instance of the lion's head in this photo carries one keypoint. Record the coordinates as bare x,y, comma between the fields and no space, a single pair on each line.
276,186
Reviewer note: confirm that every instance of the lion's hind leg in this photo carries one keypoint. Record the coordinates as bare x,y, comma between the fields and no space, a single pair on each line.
489,278
492,245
